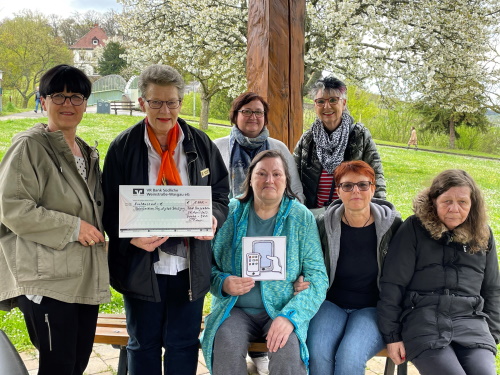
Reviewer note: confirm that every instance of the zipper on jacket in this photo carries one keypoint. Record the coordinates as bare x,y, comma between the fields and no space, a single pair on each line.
50,334
190,290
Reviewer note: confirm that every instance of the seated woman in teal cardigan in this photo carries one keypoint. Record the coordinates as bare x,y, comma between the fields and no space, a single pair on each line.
245,310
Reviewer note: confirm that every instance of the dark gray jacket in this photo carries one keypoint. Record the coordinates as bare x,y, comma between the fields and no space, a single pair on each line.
435,291
360,146
387,221
131,269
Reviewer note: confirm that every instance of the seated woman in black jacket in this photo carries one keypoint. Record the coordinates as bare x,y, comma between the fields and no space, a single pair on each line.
440,285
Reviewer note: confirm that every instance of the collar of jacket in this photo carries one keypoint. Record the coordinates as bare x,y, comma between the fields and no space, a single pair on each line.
241,211
427,215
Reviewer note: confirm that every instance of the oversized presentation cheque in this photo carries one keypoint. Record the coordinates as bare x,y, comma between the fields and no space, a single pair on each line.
159,210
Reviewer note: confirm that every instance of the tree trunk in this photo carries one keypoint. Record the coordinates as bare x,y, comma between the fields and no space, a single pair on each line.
205,106
452,133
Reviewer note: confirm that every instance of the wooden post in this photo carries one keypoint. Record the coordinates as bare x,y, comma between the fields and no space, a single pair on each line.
275,63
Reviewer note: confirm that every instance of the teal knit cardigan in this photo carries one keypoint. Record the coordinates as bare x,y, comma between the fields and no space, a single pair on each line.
304,257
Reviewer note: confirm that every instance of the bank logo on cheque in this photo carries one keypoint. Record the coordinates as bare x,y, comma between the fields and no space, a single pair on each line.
138,192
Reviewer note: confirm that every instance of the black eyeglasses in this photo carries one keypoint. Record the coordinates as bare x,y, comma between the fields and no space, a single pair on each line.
248,113
320,102
157,104
349,186
61,98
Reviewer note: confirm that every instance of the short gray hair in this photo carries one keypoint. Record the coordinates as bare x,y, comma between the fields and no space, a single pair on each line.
162,75
330,84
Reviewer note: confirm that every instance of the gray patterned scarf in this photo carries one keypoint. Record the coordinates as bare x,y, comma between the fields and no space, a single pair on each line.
331,147
243,150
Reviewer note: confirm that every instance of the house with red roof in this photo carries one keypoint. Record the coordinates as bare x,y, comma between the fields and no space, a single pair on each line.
84,56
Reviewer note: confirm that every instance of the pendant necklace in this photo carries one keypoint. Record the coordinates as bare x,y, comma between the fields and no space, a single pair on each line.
364,225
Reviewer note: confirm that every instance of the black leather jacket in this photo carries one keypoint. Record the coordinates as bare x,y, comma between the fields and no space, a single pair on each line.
360,146
126,163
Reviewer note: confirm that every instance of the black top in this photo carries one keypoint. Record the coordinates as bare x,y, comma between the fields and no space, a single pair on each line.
355,283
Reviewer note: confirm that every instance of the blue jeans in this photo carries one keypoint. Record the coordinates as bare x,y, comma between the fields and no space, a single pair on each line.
173,324
341,341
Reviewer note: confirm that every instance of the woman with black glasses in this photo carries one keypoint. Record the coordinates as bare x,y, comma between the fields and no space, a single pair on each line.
332,139
355,233
163,280
52,254
249,136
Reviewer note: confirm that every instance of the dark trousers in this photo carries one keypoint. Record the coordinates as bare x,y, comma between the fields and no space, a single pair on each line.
62,332
173,324
456,359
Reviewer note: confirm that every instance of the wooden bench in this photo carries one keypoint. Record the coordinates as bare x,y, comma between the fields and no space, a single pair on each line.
112,329
125,106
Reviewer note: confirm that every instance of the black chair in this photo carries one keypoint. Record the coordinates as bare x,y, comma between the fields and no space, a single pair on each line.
10,360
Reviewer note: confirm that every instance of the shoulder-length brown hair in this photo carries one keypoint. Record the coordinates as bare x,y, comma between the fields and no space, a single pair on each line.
243,99
474,231
247,189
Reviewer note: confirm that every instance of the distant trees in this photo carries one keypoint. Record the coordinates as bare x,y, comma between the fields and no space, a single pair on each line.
72,28
110,61
205,38
437,49
27,49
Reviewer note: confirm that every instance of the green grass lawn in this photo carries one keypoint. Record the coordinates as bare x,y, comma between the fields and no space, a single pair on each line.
406,172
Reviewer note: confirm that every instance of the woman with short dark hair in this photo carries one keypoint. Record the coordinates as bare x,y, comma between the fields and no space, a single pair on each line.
53,261
440,287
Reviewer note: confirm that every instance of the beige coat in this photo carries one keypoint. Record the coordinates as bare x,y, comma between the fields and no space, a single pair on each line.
413,138
42,195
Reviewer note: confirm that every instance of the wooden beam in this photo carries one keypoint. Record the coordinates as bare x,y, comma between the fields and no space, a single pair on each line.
275,63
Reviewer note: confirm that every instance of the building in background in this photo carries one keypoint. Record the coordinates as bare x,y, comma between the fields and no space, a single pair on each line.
84,56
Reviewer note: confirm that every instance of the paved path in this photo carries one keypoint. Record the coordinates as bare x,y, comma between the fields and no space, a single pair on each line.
104,361
90,109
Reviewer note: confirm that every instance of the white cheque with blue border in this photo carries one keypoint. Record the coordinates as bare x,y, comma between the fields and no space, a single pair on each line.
165,210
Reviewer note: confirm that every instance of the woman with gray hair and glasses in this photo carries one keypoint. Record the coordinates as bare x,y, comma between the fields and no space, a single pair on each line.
163,280
332,139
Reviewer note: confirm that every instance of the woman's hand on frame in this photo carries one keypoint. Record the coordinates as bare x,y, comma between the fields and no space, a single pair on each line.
148,243
214,228
237,286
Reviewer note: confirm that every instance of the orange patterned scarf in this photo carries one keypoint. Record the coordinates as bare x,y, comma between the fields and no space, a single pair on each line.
168,173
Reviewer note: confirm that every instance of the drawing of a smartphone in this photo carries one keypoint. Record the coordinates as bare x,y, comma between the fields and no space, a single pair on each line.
253,264
264,248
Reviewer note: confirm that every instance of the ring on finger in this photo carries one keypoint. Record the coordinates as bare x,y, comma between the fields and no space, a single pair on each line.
91,242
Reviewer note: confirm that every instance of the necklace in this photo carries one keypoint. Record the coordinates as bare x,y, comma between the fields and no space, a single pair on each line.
364,225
